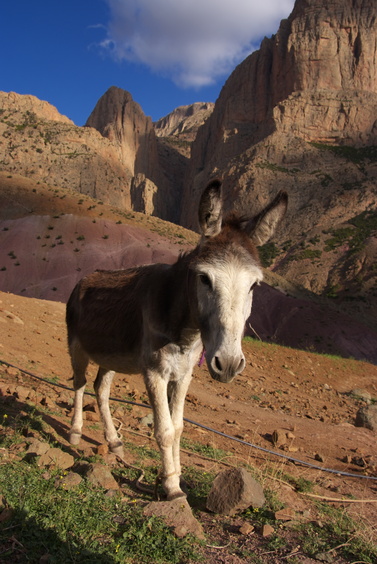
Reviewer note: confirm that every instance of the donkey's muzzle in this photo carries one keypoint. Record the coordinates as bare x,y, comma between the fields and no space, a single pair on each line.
225,369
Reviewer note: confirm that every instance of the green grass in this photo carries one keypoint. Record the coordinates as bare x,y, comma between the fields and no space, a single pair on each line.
337,531
80,525
205,450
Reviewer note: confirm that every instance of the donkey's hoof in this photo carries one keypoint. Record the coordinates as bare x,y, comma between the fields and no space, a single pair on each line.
74,438
176,495
183,485
117,448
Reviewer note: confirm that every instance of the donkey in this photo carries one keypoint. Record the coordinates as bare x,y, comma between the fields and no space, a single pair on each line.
157,320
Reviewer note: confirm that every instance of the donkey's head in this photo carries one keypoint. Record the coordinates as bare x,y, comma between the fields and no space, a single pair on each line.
227,269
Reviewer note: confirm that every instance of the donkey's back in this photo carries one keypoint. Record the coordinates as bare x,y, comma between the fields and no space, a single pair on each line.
106,313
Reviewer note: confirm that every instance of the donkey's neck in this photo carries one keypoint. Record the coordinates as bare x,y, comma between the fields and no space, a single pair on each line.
179,289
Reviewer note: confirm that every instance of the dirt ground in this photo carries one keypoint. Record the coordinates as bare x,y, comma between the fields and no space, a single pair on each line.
303,397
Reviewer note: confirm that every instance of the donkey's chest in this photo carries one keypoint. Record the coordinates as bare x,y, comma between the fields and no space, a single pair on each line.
173,362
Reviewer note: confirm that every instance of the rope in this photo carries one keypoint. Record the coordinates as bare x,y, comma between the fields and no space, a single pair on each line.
230,437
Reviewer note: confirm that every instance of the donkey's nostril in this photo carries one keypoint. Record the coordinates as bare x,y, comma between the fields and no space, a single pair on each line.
241,365
218,364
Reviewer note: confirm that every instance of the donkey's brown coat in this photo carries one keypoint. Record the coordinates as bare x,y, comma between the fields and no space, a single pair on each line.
156,319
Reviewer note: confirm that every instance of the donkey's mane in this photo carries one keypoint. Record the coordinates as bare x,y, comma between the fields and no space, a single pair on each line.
235,220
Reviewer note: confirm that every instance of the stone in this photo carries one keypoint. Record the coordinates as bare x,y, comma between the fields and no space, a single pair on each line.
147,421
57,458
22,393
361,394
92,416
324,557
267,530
37,447
286,514
68,480
12,371
102,449
279,437
234,490
246,529
100,475
367,417
178,515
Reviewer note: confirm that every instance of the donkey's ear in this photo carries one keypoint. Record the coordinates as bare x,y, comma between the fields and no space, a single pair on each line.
263,226
210,209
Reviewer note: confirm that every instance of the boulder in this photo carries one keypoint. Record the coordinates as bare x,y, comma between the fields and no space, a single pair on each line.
176,514
367,417
100,475
234,490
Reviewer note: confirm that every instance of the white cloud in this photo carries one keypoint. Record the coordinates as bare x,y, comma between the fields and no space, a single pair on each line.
193,42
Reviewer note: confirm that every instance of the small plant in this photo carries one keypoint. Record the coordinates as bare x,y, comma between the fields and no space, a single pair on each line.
268,253
310,254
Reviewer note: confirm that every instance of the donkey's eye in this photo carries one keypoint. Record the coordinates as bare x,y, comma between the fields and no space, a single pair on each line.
205,280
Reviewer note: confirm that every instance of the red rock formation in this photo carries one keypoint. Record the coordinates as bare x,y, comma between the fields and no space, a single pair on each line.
316,79
120,119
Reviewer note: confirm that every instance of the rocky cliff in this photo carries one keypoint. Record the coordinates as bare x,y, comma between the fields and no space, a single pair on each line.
116,157
37,142
315,80
301,114
180,127
154,188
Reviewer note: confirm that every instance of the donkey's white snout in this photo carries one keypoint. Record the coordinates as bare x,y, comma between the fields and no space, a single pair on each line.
224,368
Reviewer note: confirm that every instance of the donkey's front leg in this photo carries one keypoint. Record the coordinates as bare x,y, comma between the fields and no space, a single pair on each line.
102,386
164,432
177,393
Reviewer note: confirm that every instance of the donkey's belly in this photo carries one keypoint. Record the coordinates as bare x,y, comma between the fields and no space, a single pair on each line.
122,363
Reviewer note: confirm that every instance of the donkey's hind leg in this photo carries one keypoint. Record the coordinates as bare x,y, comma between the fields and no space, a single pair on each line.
102,386
79,360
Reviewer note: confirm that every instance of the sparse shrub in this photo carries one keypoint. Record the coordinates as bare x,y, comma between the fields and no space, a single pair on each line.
268,253
310,254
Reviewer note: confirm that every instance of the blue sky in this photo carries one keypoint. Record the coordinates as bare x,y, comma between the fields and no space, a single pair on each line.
166,53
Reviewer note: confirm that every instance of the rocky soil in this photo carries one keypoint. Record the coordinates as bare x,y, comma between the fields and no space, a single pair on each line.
291,402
